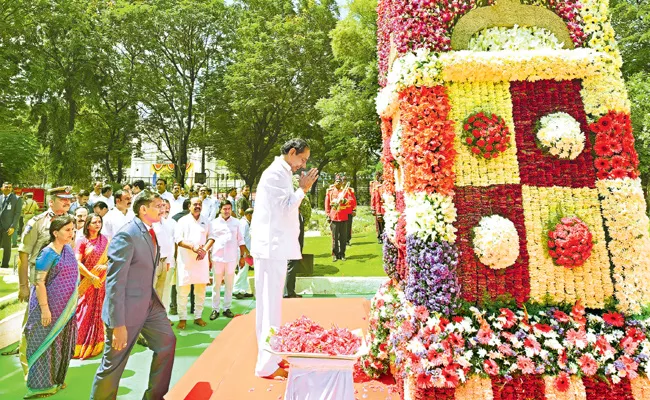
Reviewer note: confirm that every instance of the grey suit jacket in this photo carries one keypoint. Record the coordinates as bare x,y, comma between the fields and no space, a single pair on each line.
10,212
129,278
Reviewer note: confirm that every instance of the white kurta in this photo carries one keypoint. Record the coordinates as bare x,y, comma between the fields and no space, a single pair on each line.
176,205
227,237
194,232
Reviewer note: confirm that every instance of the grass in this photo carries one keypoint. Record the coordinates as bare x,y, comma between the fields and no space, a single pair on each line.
363,258
7,287
11,308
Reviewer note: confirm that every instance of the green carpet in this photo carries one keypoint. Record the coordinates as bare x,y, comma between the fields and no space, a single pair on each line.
363,258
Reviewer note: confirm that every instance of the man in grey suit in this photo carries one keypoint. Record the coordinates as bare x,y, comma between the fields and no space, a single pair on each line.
131,306
10,213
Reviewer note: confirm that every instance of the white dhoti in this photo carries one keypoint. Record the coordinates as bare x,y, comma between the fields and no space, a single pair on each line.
183,293
269,286
219,269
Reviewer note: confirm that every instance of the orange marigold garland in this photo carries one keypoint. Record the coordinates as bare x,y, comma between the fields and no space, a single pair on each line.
487,135
427,140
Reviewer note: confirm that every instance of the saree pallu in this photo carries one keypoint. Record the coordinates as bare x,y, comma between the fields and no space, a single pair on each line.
46,350
90,328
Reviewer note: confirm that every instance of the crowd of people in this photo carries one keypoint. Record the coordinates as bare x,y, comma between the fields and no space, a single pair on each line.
77,260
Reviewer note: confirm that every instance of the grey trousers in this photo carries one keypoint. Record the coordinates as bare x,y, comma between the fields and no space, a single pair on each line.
162,341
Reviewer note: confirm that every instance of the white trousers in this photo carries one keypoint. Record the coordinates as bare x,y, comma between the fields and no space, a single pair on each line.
269,286
183,296
219,269
241,281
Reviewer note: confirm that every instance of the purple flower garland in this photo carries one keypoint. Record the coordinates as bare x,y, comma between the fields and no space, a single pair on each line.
390,257
432,280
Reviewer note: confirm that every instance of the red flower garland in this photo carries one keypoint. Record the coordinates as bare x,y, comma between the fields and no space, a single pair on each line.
530,102
570,242
476,279
486,135
596,389
518,388
614,148
427,140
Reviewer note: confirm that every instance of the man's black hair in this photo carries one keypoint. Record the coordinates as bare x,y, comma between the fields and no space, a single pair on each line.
139,183
299,144
106,189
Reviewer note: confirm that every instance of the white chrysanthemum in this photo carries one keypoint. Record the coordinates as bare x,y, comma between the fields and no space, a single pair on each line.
390,215
430,216
516,38
396,142
560,135
496,242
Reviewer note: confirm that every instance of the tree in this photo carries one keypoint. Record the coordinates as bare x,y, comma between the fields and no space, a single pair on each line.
348,114
281,66
183,42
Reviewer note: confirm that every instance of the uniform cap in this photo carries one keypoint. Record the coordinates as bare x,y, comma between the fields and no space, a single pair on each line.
63,192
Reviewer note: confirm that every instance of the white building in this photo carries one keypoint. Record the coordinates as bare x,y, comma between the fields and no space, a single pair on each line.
153,162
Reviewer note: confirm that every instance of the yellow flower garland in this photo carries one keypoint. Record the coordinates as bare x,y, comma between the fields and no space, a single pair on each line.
623,207
468,98
591,282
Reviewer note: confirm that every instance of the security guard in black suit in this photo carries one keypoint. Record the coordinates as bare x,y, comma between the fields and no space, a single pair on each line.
10,213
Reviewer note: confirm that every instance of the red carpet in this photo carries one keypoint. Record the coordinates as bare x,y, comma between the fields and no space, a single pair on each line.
225,370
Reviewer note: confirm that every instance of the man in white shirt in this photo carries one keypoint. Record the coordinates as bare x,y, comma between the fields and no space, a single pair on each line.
80,215
176,203
232,193
94,195
208,206
192,266
165,234
274,240
228,239
161,187
242,289
117,217
107,196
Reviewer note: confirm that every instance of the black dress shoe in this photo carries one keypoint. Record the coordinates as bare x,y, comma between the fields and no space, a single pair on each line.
214,315
228,313
239,296
249,295
296,296
13,352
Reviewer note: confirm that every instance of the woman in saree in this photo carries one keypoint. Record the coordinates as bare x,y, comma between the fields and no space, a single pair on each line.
92,257
51,328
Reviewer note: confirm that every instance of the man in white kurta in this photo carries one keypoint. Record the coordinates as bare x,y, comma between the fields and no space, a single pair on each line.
274,240
192,266
228,250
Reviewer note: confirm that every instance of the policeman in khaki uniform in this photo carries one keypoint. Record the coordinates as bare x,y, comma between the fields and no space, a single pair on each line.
336,209
36,236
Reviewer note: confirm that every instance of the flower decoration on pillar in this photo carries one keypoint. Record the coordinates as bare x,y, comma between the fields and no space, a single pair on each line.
559,135
496,242
487,135
570,242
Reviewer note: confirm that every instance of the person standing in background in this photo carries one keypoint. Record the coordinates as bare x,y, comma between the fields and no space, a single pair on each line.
241,288
336,211
351,208
11,207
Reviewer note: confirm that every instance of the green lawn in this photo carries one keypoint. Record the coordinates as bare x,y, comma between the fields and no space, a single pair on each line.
363,258
7,288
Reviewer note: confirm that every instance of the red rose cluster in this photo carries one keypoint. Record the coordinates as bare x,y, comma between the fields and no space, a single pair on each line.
487,136
305,336
614,147
570,243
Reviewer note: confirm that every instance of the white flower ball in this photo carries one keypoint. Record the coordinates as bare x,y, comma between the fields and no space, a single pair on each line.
496,242
559,134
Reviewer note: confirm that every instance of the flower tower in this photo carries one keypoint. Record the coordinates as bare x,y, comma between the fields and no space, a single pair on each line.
516,235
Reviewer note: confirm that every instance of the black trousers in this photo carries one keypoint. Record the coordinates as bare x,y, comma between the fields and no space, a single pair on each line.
349,227
379,226
5,244
339,238
292,266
